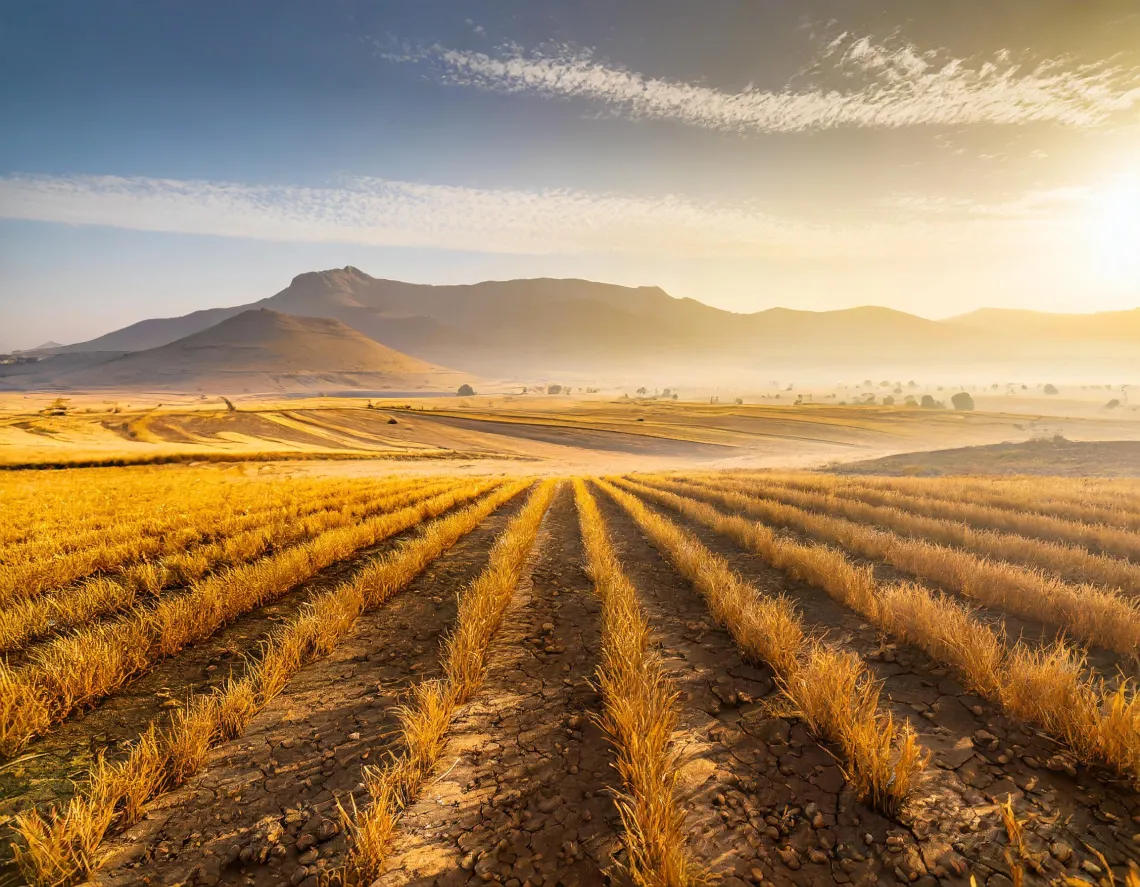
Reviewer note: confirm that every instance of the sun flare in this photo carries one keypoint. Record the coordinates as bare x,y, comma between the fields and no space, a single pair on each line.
1114,229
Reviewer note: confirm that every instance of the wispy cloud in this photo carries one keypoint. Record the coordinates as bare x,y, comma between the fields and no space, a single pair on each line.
380,212
892,86
393,213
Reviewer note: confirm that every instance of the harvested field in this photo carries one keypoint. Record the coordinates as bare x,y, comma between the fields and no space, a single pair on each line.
217,677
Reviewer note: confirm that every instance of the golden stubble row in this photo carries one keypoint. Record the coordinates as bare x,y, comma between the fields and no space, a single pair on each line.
146,504
1048,686
76,670
829,688
939,521
59,847
639,716
35,574
1088,613
73,607
68,503
1091,512
434,704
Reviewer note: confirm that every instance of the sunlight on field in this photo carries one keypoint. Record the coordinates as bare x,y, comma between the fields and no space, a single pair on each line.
799,611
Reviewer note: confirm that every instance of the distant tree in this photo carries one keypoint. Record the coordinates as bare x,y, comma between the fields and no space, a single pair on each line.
674,397
888,401
1112,404
898,390
554,389
994,387
1051,389
910,401
962,401
928,402
884,384
912,384
738,401
867,383
668,392
643,391
466,390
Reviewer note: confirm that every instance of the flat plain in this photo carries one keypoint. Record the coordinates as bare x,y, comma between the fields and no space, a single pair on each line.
478,666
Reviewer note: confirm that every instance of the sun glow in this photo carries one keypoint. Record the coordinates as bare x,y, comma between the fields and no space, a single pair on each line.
1114,229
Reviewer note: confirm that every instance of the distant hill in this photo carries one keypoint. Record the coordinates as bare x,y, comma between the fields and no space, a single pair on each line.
1105,326
542,327
260,350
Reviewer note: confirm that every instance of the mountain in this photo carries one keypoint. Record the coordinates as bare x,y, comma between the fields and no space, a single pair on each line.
1105,326
261,350
544,328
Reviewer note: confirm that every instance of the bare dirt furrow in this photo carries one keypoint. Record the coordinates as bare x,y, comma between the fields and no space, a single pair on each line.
765,800
263,810
46,770
527,791
982,759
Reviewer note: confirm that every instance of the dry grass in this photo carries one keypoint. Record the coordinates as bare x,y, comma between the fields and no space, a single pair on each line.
830,689
1085,500
30,620
78,669
1089,613
1045,686
939,521
59,847
951,499
62,553
427,718
640,717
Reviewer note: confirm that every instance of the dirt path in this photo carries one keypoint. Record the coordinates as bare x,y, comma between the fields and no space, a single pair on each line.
266,800
981,758
528,795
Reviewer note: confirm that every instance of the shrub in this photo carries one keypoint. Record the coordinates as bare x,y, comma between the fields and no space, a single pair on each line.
1051,389
466,390
962,401
553,389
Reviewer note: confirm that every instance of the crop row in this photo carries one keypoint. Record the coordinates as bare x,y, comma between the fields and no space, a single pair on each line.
1089,613
78,669
59,847
75,606
1044,685
36,572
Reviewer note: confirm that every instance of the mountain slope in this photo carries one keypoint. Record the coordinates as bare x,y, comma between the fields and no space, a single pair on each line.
1107,326
263,350
544,327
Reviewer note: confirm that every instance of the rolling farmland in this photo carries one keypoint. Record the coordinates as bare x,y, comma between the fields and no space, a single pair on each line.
210,676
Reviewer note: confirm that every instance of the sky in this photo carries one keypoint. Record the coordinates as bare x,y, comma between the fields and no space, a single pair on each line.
158,157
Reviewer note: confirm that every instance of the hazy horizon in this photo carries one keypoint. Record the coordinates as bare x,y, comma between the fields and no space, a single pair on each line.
165,159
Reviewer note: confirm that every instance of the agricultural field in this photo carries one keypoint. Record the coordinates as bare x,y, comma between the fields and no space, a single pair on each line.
217,674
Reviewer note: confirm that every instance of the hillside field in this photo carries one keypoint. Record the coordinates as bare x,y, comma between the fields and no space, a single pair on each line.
214,675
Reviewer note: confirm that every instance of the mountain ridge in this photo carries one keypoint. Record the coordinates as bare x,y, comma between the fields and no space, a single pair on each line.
528,327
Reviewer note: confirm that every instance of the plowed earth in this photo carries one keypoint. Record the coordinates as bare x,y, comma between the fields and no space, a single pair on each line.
525,792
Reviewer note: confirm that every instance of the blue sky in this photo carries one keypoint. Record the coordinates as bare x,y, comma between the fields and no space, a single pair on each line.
159,157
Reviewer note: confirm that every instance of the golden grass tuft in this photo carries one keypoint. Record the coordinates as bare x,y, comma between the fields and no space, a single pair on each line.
58,848
426,719
1045,686
639,716
78,669
1089,613
831,690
